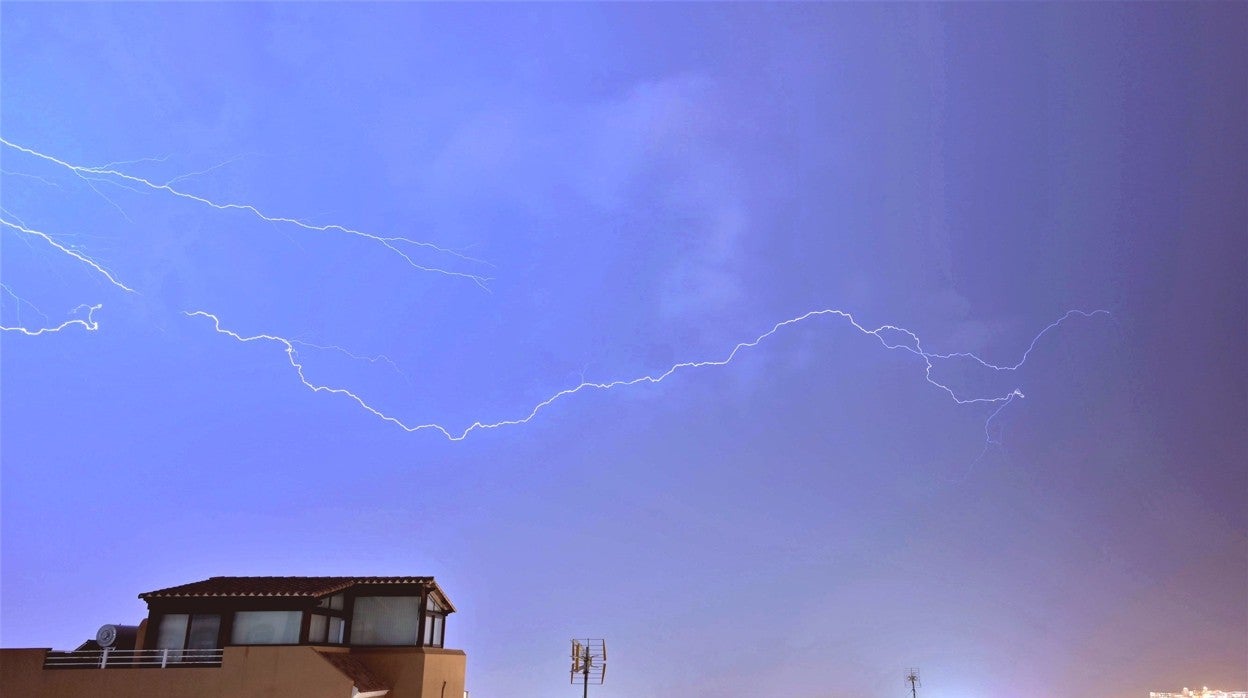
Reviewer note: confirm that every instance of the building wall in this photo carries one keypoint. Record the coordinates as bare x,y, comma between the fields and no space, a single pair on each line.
245,672
424,672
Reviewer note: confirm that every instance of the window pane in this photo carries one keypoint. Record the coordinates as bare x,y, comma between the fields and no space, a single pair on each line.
172,631
266,628
316,628
335,630
323,603
385,620
428,630
335,602
439,623
204,631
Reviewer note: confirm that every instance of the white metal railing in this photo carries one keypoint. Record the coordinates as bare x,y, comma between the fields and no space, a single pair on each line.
109,658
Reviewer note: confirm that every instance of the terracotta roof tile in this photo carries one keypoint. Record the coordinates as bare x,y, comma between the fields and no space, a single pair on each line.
365,680
276,586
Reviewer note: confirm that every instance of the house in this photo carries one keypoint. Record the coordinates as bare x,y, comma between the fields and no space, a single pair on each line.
245,637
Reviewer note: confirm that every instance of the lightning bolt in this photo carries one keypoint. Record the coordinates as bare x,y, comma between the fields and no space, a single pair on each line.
890,337
72,253
90,323
912,345
391,243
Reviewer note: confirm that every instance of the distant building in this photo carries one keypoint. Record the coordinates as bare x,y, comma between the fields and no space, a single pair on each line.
247,637
1204,692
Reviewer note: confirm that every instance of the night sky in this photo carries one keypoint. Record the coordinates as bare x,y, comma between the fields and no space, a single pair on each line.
606,192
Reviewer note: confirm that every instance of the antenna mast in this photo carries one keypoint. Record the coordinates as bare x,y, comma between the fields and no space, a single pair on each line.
589,659
912,678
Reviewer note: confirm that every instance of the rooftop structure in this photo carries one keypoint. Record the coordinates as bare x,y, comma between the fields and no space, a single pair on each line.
312,637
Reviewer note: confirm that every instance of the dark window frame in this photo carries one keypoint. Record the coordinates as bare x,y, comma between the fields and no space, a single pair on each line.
227,607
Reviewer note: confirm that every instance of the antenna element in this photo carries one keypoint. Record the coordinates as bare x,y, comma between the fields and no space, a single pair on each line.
589,659
912,678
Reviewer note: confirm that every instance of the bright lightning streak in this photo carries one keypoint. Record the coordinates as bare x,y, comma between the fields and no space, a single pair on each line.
90,323
914,346
76,255
390,243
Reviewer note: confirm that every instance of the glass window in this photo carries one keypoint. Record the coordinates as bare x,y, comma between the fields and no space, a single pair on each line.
172,633
204,632
266,628
385,620
433,629
331,602
336,626
317,626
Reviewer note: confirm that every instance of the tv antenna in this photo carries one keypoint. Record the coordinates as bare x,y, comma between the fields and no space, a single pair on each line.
912,678
589,660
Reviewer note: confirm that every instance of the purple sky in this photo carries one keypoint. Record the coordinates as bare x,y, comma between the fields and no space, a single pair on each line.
646,185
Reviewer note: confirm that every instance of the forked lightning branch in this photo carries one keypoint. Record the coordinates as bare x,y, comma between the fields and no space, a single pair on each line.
891,338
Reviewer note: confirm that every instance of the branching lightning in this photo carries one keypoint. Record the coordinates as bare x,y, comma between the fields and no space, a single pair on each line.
391,243
89,323
912,346
71,252
379,358
890,337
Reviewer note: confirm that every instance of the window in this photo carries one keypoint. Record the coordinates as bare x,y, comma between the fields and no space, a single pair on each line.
331,602
266,628
435,622
204,632
433,630
183,631
317,627
327,620
385,620
172,633
323,629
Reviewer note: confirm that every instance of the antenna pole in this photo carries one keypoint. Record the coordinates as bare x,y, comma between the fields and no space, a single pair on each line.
912,678
585,674
589,659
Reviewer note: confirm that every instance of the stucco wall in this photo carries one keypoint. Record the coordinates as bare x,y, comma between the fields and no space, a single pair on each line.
417,672
245,672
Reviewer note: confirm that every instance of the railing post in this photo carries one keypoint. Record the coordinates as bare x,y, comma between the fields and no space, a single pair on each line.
164,658
104,658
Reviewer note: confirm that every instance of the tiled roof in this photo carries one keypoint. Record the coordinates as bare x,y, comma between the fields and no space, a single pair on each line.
364,679
276,586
